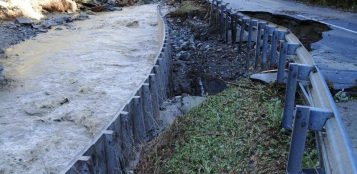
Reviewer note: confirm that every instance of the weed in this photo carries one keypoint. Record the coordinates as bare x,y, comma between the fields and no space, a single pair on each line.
188,8
236,131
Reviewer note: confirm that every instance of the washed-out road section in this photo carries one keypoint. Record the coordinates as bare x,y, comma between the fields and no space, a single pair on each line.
64,86
335,54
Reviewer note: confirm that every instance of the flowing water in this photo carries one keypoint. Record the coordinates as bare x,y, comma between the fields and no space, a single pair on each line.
63,87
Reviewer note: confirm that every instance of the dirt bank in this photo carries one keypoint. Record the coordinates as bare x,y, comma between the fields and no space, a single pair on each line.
202,63
68,83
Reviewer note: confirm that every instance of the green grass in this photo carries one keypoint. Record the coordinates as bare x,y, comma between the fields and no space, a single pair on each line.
236,131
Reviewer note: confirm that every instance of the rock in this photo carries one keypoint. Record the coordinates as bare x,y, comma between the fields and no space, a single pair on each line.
185,45
189,102
83,16
199,45
268,78
183,55
98,8
91,13
11,25
24,21
169,112
132,24
47,24
59,20
122,3
112,8
341,96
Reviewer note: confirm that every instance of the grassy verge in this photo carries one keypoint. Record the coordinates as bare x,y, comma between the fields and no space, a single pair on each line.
236,131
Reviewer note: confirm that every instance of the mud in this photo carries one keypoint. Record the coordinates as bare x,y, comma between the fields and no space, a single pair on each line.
308,31
65,85
202,63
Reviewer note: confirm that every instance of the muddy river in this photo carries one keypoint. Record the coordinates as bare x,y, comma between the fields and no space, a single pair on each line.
64,86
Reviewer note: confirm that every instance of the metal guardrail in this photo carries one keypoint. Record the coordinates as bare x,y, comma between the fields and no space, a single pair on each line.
275,46
118,145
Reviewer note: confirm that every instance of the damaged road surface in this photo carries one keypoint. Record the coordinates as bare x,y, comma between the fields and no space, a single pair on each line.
336,50
62,87
335,53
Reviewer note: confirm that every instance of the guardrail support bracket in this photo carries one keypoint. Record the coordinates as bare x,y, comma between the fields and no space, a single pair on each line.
306,118
297,72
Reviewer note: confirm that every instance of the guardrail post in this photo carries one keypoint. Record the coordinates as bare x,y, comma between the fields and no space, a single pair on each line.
218,14
281,64
277,36
127,137
138,121
261,25
252,23
298,140
234,28
273,49
296,72
83,165
151,126
241,33
267,31
211,14
112,153
226,24
285,49
221,20
159,83
306,118
154,96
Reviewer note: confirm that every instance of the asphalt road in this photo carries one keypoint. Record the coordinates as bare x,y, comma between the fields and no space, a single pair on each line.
336,53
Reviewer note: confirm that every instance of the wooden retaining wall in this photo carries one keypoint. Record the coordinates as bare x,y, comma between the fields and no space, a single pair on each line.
117,147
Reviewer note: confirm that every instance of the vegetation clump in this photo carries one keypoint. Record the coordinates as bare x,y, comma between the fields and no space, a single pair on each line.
236,131
188,8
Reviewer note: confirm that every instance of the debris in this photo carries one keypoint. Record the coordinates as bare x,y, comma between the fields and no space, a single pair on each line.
24,21
341,96
133,24
265,77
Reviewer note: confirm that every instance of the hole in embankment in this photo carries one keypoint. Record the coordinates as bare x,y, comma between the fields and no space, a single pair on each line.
201,63
208,86
308,31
